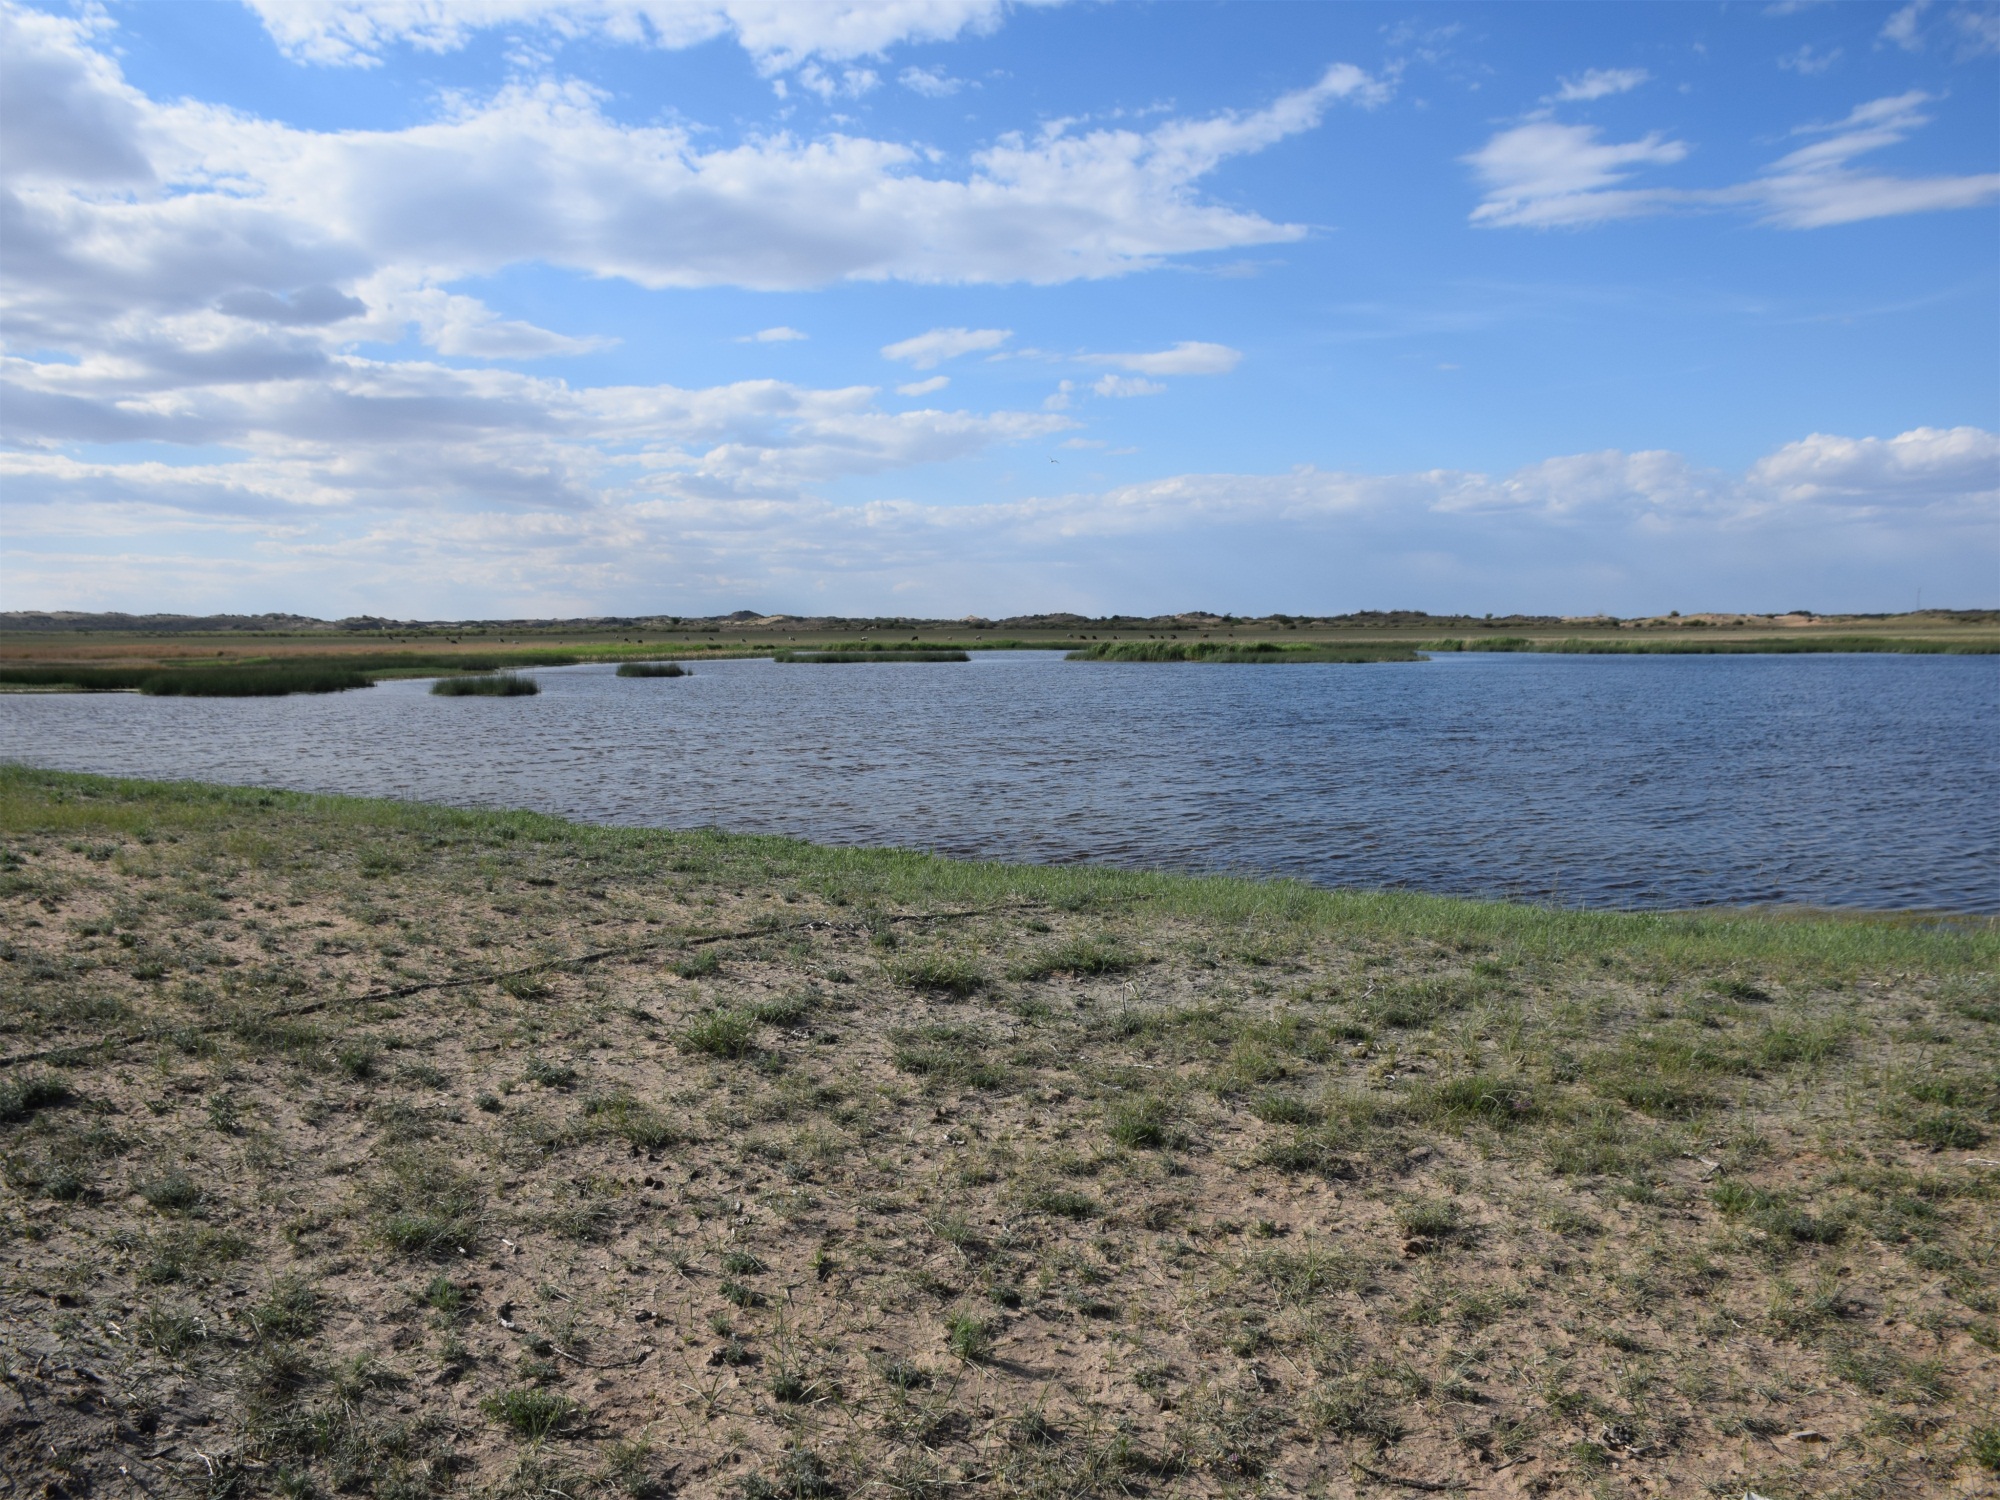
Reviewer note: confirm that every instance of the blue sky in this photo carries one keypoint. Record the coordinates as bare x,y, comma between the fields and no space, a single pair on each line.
499,307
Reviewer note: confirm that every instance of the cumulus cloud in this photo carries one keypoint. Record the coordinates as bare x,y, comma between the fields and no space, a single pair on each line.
926,351
832,84
924,387
1925,466
191,275
125,208
778,335
778,36
1185,358
696,527
1600,83
64,111
1545,174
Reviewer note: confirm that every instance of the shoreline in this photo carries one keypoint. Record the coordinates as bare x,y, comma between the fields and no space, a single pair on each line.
1761,912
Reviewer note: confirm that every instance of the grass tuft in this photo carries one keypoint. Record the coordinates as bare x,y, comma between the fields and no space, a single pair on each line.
21,1097
1081,957
941,973
531,1413
969,1336
721,1033
1146,1125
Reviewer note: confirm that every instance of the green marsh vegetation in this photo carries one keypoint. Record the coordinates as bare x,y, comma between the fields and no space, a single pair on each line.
410,1151
1698,646
493,685
267,677
1245,652
651,669
192,682
851,658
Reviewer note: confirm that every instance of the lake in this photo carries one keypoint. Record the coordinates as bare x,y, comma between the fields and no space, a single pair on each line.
1651,781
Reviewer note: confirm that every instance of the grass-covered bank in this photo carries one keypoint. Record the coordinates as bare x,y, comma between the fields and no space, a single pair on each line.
269,678
1749,646
1256,653
1277,652
401,1150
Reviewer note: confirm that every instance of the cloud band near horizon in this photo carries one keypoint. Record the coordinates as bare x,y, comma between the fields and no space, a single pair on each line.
1608,531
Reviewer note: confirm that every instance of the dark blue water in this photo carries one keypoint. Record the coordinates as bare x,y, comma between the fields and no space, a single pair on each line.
1859,781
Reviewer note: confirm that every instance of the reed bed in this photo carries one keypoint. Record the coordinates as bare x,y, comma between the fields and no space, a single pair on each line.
652,669
1757,646
192,682
850,658
498,685
1257,653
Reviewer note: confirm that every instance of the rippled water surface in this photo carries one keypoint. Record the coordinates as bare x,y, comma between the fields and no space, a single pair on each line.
1603,781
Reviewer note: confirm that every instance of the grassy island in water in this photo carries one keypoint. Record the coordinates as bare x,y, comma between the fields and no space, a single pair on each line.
357,1147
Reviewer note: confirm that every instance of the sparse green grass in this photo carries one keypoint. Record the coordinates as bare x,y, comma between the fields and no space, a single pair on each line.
1221,1182
969,1336
172,1192
641,1124
21,1096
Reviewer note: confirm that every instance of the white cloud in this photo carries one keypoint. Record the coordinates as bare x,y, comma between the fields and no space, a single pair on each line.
1927,465
778,335
932,83
186,265
456,325
924,387
778,36
1807,62
847,83
1978,30
1544,174
1819,521
1903,25
1814,186
539,173
927,351
1125,385
1185,358
1600,83
1976,27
